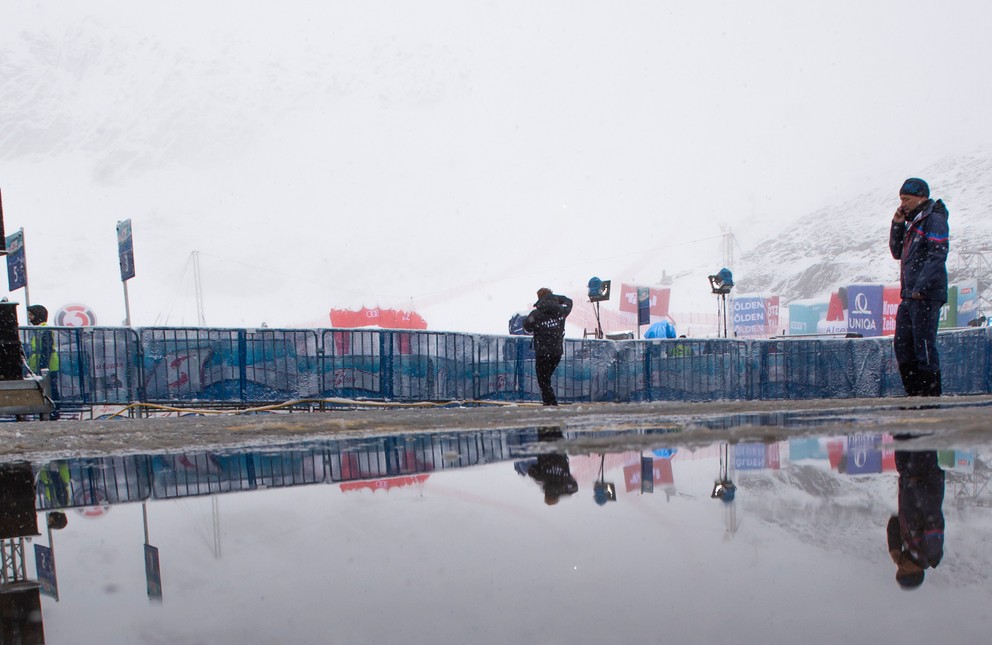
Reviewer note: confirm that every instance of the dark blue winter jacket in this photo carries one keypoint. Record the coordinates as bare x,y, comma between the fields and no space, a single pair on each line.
920,244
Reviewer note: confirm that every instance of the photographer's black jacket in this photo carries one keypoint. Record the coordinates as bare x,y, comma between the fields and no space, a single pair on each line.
547,323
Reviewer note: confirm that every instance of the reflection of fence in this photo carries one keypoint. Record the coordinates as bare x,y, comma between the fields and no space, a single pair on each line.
101,365
97,482
94,482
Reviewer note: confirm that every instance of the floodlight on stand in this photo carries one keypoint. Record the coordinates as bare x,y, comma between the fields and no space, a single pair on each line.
721,283
599,290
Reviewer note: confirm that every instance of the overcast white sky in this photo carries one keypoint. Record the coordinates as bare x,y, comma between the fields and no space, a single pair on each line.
451,156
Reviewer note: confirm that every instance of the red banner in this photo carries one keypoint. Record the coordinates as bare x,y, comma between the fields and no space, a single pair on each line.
659,299
376,317
890,302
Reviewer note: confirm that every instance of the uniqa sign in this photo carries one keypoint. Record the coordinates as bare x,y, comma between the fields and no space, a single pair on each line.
865,309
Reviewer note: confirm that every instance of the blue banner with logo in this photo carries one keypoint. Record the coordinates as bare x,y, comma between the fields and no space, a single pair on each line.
863,454
750,317
643,306
125,250
864,309
17,265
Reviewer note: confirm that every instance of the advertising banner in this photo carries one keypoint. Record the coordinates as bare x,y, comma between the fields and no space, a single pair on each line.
967,302
890,303
804,316
949,312
125,250
771,316
658,299
643,306
864,304
628,298
17,267
750,318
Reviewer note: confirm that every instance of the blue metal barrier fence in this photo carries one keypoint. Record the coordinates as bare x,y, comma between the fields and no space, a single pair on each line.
242,367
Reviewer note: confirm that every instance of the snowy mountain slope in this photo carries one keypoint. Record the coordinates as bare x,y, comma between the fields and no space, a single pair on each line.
847,243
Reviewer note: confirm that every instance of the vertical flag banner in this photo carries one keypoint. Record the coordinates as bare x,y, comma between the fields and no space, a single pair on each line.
643,306
17,266
125,250
3,238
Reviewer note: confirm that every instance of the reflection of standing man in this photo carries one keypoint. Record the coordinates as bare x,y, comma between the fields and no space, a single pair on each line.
916,535
918,238
42,354
547,323
551,469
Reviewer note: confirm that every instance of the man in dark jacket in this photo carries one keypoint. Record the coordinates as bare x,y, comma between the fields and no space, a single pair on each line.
547,323
918,238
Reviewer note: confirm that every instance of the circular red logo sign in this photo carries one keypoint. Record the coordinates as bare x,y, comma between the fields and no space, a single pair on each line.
75,316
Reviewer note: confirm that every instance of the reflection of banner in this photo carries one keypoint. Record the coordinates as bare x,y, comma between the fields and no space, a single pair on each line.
890,304
44,561
750,318
153,573
863,454
749,456
864,309
967,302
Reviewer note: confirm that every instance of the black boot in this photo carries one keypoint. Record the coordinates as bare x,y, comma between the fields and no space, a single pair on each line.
930,383
910,379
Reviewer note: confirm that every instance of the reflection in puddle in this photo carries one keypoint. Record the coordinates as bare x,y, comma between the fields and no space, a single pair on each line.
500,536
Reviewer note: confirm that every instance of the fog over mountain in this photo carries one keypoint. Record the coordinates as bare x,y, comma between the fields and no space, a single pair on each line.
452,157
847,242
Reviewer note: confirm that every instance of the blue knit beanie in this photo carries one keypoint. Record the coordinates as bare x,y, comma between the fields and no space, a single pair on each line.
915,186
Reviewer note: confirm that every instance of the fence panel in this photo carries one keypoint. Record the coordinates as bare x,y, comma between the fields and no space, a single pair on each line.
281,364
431,366
97,365
187,364
351,365
499,363
965,360
696,370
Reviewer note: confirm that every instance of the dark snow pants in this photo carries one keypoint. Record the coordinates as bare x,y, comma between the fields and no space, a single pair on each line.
545,366
915,345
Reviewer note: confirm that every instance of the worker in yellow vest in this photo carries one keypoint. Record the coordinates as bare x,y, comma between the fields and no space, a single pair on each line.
42,354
